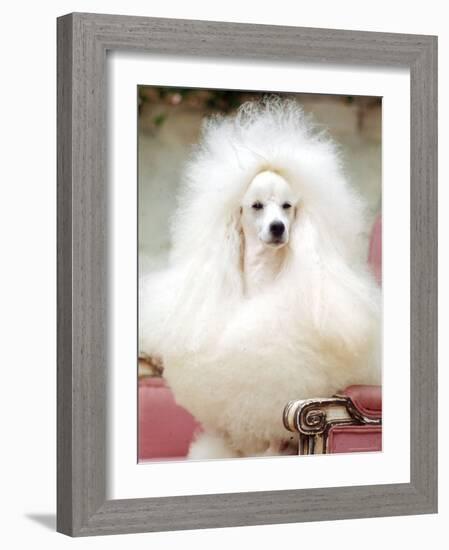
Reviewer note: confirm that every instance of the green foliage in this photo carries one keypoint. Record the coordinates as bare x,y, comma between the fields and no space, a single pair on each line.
159,119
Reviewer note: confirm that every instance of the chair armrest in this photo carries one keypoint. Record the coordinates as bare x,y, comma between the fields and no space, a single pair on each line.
314,418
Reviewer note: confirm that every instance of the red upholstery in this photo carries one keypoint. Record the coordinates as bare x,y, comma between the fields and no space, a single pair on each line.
351,439
165,428
354,439
367,399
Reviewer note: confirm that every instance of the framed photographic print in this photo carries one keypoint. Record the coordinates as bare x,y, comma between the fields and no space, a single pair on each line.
247,258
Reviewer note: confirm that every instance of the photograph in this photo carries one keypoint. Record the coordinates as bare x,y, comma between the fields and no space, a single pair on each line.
260,273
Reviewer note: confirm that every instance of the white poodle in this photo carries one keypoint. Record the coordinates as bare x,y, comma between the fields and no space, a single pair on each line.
267,297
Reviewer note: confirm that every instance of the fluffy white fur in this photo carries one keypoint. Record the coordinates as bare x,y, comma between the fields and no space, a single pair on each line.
235,352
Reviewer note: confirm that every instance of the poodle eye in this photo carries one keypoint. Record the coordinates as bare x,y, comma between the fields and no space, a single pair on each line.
286,205
257,205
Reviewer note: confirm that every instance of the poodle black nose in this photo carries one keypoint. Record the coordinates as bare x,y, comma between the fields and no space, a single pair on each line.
277,228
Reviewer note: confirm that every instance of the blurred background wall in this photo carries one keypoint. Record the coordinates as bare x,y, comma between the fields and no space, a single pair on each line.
169,124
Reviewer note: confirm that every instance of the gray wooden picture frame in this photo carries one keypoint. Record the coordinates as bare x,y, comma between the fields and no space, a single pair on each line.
83,41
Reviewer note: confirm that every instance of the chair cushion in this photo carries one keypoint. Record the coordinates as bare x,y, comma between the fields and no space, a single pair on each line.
165,428
354,439
367,399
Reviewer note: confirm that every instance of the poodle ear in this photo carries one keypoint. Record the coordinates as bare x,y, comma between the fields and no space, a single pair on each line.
241,236
235,241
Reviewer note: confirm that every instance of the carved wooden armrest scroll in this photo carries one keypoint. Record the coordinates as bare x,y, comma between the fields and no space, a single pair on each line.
313,418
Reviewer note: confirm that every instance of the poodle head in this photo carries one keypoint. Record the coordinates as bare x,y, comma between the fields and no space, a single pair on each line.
268,209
